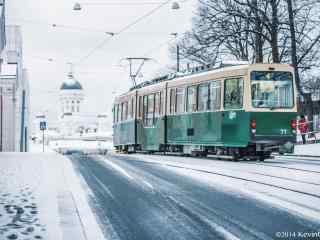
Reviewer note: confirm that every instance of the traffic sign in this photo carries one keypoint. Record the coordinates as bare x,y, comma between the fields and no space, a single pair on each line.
43,126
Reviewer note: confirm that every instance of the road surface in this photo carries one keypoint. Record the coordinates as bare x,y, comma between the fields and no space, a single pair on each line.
158,197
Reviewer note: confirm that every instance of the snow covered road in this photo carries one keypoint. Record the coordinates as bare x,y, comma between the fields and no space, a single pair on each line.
161,197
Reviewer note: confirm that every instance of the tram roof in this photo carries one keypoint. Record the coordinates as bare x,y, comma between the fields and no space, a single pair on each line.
199,71
191,72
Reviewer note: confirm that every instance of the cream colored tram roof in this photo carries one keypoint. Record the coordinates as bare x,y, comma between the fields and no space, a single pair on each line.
233,71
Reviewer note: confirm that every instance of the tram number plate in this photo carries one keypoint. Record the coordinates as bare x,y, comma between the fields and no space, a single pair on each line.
190,132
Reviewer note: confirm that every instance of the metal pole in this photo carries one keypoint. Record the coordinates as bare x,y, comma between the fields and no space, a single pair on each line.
22,121
42,140
178,58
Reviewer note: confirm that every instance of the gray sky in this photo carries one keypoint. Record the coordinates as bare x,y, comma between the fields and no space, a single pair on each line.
80,32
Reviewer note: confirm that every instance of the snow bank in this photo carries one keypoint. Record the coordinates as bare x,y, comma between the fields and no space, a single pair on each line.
41,197
308,149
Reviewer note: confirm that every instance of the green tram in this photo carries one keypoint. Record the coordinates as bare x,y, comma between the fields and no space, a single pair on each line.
242,111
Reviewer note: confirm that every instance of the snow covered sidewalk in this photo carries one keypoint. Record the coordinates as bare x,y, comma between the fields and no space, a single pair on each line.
41,197
308,150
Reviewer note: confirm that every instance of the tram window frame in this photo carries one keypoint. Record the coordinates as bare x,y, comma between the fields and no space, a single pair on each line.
180,102
172,105
206,105
232,105
113,114
194,105
213,104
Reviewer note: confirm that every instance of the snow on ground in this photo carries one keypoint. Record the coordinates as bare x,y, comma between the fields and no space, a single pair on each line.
308,149
292,185
42,198
81,145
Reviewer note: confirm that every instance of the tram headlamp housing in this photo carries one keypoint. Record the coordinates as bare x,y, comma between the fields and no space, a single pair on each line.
253,125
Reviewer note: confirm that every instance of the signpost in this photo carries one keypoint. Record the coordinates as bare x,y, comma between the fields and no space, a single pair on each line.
43,127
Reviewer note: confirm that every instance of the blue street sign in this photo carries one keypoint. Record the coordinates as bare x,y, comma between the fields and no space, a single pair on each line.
43,126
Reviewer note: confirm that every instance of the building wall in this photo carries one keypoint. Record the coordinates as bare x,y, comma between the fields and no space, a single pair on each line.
8,113
2,26
15,95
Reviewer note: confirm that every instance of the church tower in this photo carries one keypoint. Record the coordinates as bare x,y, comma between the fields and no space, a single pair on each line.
71,96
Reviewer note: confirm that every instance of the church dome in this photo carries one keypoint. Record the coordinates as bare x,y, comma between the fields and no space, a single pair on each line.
71,84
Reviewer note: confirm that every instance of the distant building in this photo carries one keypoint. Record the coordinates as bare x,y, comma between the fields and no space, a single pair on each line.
73,121
14,95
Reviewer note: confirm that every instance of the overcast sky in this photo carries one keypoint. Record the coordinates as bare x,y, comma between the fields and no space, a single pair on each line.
77,33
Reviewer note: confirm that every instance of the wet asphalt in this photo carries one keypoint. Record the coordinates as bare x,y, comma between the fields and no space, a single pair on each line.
137,200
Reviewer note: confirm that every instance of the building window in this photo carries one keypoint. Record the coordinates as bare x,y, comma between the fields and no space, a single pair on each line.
192,99
233,93
180,102
72,108
203,97
215,95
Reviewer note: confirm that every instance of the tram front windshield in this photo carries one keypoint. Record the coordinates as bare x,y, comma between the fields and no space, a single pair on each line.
272,89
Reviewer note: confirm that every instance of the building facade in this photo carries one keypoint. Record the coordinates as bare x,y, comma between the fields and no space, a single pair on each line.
14,95
2,30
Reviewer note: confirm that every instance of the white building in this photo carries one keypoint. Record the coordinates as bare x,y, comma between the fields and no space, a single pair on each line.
71,99
14,96
73,121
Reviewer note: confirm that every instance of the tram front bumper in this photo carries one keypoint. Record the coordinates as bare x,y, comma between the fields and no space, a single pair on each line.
281,144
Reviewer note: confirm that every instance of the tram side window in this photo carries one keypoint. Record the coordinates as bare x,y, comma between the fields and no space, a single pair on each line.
117,113
215,95
125,111
133,107
157,104
145,109
120,112
140,107
192,99
172,101
114,113
148,110
129,110
233,93
150,115
180,102
203,97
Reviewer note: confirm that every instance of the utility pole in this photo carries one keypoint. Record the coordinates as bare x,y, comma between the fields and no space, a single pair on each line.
134,74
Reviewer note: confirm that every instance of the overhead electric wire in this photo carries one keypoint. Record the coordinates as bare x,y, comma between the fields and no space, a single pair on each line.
125,28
